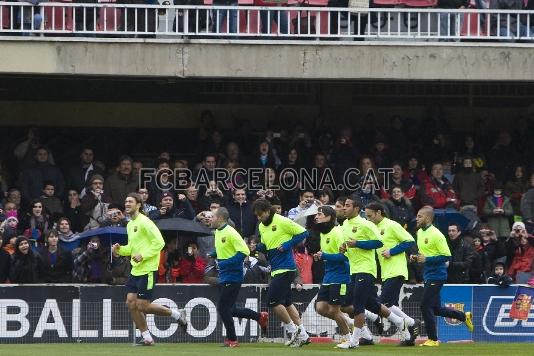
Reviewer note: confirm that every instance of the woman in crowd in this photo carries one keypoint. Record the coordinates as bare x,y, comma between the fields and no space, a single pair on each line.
56,262
26,267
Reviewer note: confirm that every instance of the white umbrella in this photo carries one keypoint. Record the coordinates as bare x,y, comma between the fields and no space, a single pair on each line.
312,210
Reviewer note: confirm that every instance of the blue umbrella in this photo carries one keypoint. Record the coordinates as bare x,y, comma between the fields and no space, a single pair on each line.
108,235
444,217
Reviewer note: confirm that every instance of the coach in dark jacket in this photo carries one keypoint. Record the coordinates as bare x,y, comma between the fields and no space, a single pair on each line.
462,255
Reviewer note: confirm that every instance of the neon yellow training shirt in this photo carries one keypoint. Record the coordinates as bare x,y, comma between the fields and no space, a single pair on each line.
144,238
392,234
228,243
273,236
360,229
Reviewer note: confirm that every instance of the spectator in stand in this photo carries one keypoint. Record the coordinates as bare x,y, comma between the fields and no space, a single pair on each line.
147,208
415,173
51,203
114,217
41,171
472,151
241,214
36,223
26,267
437,191
65,235
503,157
491,249
263,157
515,188
447,170
56,262
232,154
212,192
5,260
462,255
345,152
121,183
93,264
206,172
523,256
26,150
192,265
381,155
169,268
340,209
95,204
468,184
191,192
256,267
527,203
168,209
397,179
307,199
79,175
9,228
399,208
14,196
137,165
498,211
499,277
326,196
304,262
73,211
293,160
513,22
165,181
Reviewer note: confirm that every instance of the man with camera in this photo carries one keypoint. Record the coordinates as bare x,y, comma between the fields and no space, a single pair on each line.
94,204
307,199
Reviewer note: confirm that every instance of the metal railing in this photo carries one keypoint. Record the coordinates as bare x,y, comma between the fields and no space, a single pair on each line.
253,22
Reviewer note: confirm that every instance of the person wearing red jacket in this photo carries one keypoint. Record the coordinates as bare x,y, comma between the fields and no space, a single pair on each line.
192,265
437,191
523,257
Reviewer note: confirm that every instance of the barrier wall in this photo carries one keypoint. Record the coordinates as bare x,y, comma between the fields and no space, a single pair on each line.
81,313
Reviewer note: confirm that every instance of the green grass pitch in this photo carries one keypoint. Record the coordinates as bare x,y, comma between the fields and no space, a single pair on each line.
481,349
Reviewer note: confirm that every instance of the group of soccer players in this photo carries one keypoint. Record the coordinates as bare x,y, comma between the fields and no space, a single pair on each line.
348,287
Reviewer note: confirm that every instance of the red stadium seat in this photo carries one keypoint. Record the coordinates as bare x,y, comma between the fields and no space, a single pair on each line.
109,18
4,17
58,18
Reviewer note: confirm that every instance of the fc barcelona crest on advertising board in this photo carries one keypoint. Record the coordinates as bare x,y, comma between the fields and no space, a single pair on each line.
456,306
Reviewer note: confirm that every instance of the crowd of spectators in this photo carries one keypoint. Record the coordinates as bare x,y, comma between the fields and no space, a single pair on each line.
483,177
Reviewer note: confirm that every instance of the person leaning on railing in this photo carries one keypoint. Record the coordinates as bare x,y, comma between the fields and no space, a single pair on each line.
505,24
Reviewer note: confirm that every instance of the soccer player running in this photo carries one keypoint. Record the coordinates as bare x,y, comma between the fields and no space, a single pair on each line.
144,245
362,238
230,251
393,265
336,278
278,237
434,253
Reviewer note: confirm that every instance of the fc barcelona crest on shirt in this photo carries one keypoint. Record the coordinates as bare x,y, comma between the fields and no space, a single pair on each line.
223,240
135,228
328,240
426,241
382,232
274,228
354,229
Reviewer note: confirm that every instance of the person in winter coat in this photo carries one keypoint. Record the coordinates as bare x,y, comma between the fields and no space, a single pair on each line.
397,180
5,262
94,204
468,183
73,211
36,224
499,277
399,208
168,209
241,213
527,203
121,183
461,256
40,172
56,262
192,265
26,267
437,191
523,257
515,188
498,210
